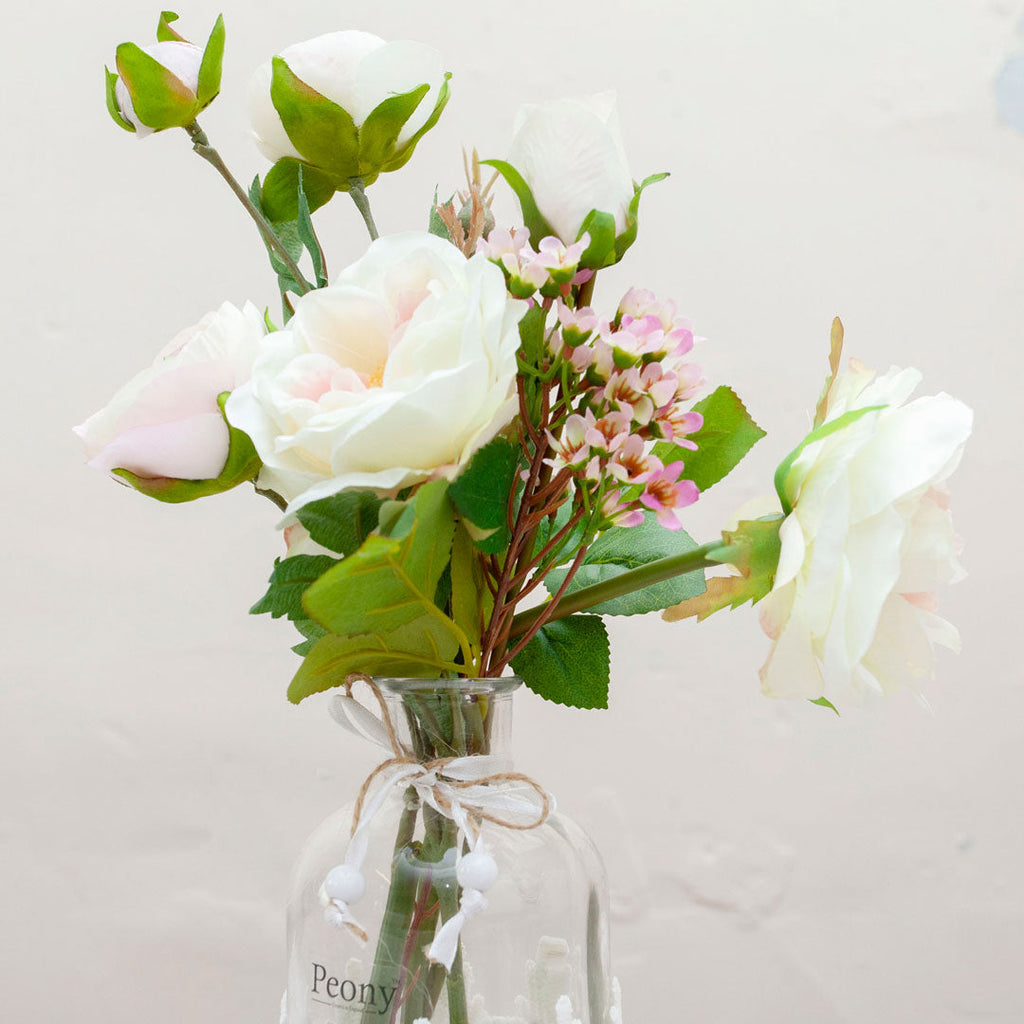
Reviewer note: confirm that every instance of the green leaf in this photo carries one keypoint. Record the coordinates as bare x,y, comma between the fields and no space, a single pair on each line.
533,335
212,63
620,549
391,581
824,702
782,474
601,250
307,235
288,582
480,493
343,521
568,662
164,32
436,225
628,236
288,234
112,107
161,100
242,465
322,132
533,219
472,601
378,134
281,189
727,435
401,157
405,651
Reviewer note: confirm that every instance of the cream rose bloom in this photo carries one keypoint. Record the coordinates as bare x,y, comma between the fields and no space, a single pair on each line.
868,542
397,372
165,422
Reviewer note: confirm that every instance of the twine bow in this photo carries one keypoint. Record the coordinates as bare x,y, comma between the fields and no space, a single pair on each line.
467,790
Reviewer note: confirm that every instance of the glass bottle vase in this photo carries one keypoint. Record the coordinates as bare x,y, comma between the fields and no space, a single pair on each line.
522,904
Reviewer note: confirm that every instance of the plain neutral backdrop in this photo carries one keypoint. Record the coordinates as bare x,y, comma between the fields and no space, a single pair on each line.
769,862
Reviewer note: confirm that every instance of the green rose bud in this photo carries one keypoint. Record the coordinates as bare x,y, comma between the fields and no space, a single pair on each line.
167,84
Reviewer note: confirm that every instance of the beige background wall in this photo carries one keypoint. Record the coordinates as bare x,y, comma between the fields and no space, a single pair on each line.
769,862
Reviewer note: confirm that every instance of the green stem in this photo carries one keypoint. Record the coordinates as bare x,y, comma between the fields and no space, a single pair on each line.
201,144
358,192
704,557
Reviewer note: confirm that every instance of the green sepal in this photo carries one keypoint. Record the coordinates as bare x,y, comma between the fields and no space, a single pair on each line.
824,702
242,465
628,236
343,521
600,225
819,434
161,100
401,157
112,107
281,189
211,65
728,433
323,132
288,582
621,549
378,134
533,219
481,493
568,662
164,32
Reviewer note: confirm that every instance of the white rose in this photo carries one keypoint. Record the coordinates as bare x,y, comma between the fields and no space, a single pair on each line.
182,59
355,70
570,153
396,373
867,543
165,422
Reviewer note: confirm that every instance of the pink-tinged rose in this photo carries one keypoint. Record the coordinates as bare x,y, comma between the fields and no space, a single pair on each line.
396,373
165,422
867,543
570,153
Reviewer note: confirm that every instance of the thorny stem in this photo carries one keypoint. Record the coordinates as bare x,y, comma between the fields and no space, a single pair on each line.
201,145
357,189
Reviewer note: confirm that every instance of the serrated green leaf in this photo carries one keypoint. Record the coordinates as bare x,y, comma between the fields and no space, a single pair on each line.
211,65
322,132
288,234
164,32
600,225
378,134
404,153
288,582
728,433
242,465
405,651
568,662
307,235
480,493
533,219
112,107
391,581
161,100
281,189
342,521
621,549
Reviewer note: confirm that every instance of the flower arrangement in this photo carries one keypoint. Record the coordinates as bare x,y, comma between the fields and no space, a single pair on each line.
475,455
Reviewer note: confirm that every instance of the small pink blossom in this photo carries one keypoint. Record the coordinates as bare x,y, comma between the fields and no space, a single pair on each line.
601,433
577,324
629,462
618,513
573,448
560,260
664,493
676,422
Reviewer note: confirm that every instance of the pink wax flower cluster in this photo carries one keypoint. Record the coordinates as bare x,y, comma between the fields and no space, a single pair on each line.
552,268
636,386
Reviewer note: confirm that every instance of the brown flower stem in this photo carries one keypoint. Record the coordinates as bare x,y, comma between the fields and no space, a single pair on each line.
201,145
586,292
357,190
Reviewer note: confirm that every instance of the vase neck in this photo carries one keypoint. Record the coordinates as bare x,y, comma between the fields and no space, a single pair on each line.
438,718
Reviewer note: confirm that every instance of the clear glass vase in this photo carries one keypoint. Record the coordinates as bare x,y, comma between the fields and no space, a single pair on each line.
533,950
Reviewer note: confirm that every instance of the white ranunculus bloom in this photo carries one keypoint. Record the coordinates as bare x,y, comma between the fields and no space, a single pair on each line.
868,542
570,153
182,59
395,373
165,422
355,70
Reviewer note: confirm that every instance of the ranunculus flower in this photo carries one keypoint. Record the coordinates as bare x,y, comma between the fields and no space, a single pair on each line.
166,423
343,105
566,162
867,543
395,373
166,84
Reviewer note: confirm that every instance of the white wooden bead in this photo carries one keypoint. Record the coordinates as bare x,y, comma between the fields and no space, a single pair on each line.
477,870
345,884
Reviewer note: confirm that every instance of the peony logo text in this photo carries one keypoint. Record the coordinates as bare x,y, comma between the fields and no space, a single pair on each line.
344,990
